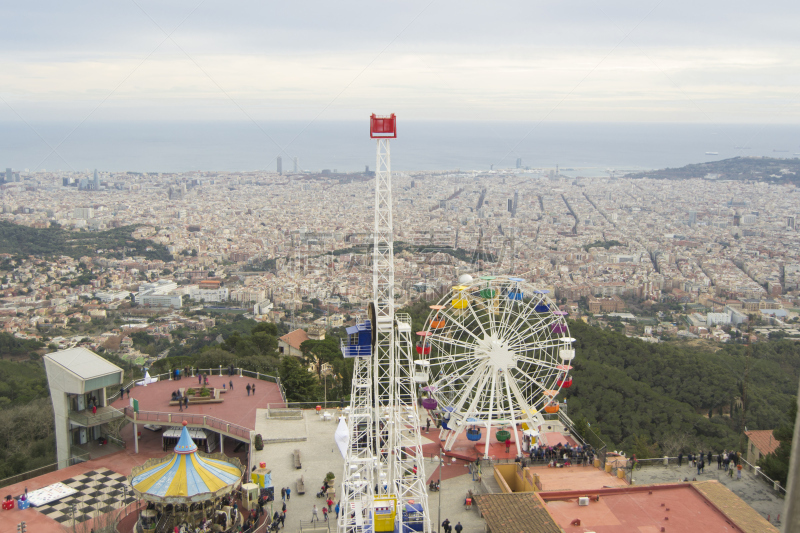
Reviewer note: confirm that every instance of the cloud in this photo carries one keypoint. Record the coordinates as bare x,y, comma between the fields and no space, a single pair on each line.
614,60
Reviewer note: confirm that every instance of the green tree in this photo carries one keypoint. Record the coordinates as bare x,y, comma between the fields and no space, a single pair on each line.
776,464
300,384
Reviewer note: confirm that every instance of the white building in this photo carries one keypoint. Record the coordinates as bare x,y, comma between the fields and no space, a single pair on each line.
717,318
209,295
111,296
160,300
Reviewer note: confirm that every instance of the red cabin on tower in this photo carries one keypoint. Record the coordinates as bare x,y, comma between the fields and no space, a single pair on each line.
383,127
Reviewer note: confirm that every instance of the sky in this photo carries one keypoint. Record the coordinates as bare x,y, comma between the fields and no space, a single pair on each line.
604,61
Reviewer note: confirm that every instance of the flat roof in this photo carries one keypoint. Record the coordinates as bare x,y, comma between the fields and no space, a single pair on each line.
83,363
685,507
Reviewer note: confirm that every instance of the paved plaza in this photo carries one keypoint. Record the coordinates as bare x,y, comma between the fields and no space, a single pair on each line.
320,455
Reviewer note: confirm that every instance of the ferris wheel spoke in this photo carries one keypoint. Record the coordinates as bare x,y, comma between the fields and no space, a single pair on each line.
541,363
457,325
520,323
458,343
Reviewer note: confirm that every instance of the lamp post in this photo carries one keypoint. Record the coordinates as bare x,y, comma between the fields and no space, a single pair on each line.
439,515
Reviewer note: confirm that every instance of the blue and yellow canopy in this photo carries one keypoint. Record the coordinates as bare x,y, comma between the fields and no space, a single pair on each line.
186,476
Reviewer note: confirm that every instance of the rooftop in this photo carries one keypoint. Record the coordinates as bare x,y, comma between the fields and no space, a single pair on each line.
295,338
83,363
764,440
678,507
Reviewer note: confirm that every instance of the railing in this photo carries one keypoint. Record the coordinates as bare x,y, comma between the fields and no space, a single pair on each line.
86,418
36,472
174,419
756,471
331,404
119,442
355,350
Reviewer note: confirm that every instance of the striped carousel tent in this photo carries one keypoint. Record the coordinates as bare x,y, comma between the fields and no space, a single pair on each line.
186,476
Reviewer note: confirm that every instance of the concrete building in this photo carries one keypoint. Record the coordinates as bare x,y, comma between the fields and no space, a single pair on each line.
76,377
209,295
718,318
174,301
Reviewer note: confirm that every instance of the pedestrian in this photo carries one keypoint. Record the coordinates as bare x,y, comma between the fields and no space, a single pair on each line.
427,424
283,519
325,513
459,527
253,389
680,459
283,493
508,445
337,509
230,383
248,389
180,404
122,392
128,390
719,461
314,515
446,525
709,457
283,508
330,503
288,493
199,378
739,472
94,409
186,402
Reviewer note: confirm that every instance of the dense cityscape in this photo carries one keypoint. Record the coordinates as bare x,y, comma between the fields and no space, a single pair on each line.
726,252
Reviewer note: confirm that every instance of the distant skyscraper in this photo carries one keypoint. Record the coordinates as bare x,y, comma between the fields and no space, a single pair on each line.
516,203
96,183
519,162
510,205
692,218
9,176
295,165
280,165
790,222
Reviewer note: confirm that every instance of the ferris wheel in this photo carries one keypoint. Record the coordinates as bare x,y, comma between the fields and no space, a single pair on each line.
498,352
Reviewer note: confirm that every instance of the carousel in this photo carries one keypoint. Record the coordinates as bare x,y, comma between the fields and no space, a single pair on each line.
190,491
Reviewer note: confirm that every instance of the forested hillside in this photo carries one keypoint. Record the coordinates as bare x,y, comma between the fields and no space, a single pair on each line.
671,393
17,239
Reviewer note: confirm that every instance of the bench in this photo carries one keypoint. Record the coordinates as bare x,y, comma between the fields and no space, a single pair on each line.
297,459
301,486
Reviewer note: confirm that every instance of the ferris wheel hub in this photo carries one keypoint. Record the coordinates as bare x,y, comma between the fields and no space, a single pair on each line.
496,351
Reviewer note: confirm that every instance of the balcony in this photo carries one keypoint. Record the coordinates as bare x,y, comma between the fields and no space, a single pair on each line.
85,418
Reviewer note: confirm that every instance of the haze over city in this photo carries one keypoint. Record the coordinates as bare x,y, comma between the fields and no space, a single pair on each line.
538,259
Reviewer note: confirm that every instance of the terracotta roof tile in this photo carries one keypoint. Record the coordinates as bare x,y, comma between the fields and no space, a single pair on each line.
763,440
744,516
515,513
295,338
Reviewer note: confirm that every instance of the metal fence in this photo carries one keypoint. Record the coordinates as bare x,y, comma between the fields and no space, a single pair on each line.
174,419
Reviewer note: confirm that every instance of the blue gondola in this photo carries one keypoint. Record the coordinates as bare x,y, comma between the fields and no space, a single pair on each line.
359,340
413,517
474,434
515,291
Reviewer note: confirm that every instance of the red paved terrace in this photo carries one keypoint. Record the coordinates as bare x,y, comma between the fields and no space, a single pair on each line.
675,507
237,407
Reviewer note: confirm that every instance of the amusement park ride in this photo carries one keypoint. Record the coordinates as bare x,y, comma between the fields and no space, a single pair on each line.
495,353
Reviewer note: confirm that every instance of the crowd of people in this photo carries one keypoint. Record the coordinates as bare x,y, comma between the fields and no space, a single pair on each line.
727,461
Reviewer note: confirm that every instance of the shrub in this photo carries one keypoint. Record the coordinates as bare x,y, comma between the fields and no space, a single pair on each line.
259,442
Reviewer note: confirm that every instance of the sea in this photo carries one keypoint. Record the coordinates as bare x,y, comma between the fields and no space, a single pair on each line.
578,149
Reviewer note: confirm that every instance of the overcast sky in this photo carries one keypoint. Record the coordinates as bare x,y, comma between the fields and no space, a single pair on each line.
601,60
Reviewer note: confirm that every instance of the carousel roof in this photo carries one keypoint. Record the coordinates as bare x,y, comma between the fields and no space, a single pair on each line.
186,474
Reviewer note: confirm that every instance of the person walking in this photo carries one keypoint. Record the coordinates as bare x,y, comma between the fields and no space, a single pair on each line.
446,525
739,472
719,461
330,503
253,389
180,404
709,456
230,383
325,513
283,508
427,425
314,515
186,402
199,378
248,389
337,509
283,493
459,527
508,445
680,459
288,493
